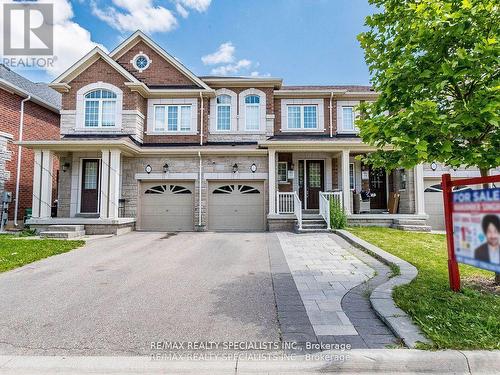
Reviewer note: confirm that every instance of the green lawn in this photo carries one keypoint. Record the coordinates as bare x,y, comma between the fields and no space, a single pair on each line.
16,252
466,320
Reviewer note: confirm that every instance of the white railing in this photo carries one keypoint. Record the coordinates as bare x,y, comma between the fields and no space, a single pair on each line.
285,203
298,209
289,203
324,204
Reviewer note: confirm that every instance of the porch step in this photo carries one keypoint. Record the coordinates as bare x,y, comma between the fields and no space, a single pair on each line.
63,234
312,217
409,221
412,228
304,230
88,216
65,228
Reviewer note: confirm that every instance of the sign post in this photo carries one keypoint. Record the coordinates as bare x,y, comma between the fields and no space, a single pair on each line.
453,271
472,220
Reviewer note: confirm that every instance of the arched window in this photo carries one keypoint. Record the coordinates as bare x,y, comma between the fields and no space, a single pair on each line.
224,112
100,108
252,112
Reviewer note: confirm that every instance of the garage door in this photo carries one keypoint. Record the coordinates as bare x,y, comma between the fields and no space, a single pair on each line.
167,207
433,196
236,206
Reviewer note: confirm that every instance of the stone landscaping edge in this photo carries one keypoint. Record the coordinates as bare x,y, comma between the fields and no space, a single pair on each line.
357,361
381,298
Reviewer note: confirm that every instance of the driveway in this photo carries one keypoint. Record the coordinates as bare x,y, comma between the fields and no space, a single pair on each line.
117,295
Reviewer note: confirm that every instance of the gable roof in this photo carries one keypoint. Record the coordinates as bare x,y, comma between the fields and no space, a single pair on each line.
140,36
85,62
40,93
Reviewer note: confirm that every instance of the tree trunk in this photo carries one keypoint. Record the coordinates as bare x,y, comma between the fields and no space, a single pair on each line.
484,173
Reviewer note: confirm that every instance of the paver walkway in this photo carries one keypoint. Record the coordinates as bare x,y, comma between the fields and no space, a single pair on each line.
324,272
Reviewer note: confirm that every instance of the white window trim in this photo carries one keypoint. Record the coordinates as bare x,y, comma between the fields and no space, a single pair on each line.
320,115
242,126
234,112
134,60
340,117
286,175
80,107
152,103
178,106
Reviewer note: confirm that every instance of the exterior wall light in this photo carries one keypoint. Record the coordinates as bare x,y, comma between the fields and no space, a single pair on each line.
148,169
253,168
65,166
235,168
434,166
165,168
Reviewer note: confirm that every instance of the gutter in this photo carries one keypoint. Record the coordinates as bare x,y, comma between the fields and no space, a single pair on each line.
19,156
201,119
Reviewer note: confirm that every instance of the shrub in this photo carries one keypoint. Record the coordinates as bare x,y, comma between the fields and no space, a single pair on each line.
338,218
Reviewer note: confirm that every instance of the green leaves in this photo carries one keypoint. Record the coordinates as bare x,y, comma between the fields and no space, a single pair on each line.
436,66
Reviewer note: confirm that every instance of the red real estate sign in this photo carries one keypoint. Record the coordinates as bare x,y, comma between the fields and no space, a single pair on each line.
472,219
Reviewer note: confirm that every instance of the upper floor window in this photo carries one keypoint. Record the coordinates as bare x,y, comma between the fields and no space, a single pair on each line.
252,112
348,118
302,117
100,108
223,112
172,118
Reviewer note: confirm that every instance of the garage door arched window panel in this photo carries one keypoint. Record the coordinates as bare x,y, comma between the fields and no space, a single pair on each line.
242,189
174,189
100,108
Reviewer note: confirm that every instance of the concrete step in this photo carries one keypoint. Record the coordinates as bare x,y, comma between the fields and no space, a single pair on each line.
64,228
312,217
304,230
413,228
409,221
316,225
63,235
313,221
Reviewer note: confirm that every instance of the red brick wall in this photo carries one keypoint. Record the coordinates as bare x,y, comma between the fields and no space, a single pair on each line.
39,124
160,72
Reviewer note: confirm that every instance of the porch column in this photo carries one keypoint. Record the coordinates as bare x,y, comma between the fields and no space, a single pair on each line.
42,184
419,189
110,183
346,188
272,182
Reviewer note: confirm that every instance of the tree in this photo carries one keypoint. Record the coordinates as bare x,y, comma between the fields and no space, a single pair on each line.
436,66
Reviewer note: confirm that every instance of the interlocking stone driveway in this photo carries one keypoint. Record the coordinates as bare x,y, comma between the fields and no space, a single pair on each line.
324,272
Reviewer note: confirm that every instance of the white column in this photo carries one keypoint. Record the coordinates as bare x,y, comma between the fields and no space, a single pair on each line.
419,189
272,182
42,184
110,183
346,188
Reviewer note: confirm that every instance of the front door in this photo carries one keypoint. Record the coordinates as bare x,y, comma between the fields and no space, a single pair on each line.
90,186
378,187
314,182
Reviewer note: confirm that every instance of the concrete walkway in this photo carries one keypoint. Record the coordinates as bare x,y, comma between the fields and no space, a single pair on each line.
324,271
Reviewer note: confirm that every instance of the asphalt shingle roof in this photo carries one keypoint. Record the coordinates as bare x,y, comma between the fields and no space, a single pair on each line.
41,90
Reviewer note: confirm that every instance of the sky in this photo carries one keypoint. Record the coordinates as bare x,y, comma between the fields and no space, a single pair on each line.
301,41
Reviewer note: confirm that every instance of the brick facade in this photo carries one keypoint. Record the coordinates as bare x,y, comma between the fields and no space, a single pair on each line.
39,124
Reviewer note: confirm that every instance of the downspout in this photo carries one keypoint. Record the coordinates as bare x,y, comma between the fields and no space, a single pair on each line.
19,155
199,191
201,119
331,114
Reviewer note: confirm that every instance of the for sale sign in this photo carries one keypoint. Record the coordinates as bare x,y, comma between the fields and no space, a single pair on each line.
476,228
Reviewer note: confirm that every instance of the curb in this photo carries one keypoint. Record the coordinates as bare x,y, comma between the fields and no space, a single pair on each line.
381,298
357,361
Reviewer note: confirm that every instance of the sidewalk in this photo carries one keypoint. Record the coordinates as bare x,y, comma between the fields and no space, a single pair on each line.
372,361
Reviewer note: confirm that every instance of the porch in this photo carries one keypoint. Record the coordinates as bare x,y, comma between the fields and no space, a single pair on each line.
305,183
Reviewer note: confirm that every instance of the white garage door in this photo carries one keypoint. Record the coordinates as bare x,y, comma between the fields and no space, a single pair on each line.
433,196
236,206
167,206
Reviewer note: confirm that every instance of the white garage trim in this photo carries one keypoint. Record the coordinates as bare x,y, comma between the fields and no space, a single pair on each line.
166,176
235,176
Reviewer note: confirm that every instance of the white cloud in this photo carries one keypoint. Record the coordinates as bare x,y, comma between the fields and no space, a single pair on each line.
131,15
181,10
71,41
223,55
198,5
232,68
258,74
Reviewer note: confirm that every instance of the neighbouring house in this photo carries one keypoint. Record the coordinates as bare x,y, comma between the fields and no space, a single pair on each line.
146,144
40,122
